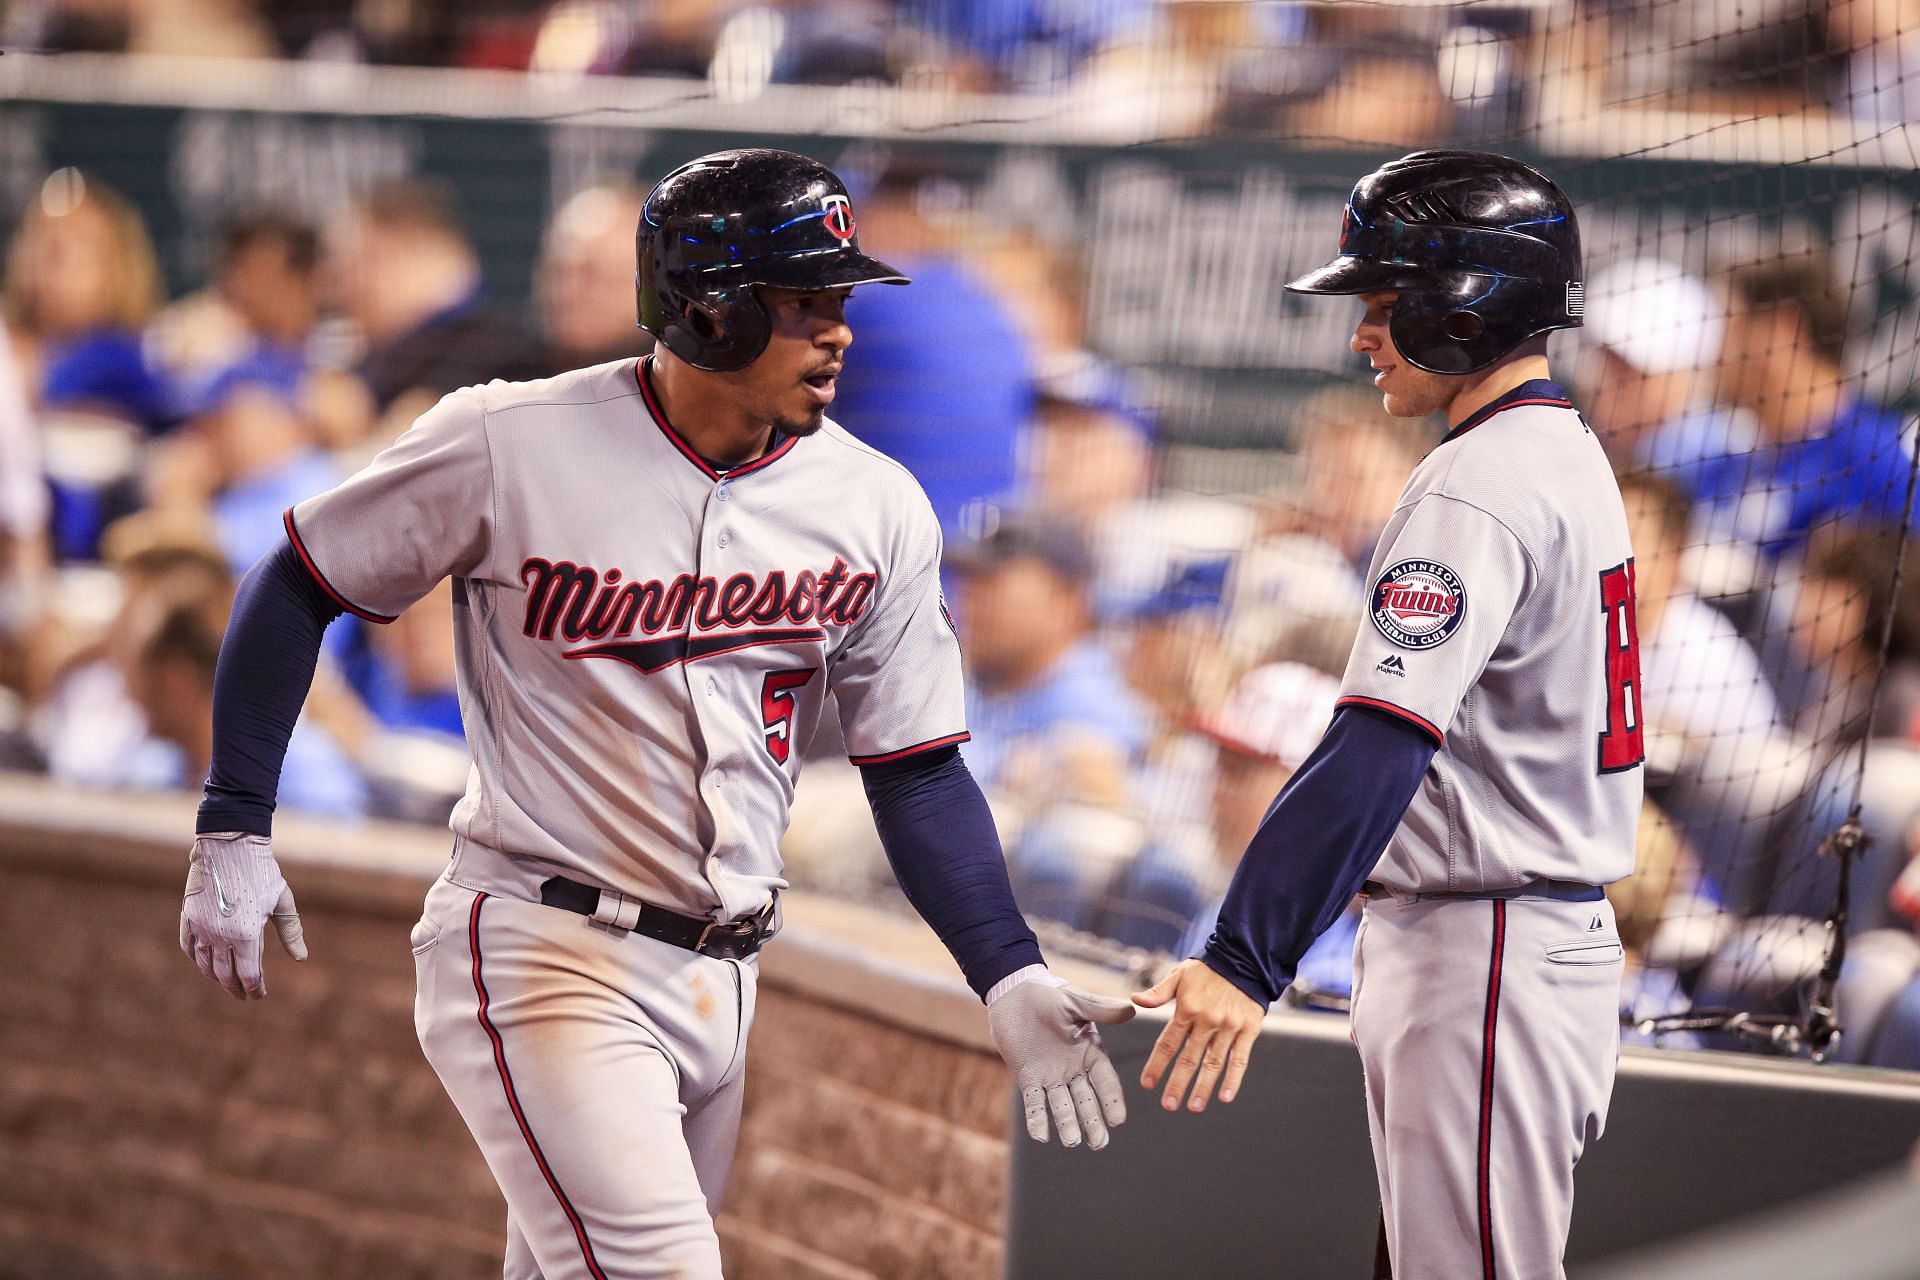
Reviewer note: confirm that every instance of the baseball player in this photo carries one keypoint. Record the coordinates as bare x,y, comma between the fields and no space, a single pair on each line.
661,568
1487,738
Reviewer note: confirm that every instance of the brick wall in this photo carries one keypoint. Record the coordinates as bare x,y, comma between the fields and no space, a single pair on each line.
150,1126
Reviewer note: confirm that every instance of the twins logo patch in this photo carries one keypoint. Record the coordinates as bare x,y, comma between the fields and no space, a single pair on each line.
1417,604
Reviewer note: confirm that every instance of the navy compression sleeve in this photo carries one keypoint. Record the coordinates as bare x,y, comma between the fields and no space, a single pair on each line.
1315,847
265,669
939,836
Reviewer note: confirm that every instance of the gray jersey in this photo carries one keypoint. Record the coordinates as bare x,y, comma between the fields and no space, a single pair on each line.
1502,623
644,643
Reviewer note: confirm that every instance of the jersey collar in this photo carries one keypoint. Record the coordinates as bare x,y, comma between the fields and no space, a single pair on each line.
1538,391
642,374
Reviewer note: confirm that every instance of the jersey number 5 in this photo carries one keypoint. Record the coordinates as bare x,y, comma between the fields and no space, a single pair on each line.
776,709
1622,745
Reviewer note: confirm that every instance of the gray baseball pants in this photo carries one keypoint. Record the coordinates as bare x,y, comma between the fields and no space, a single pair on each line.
1488,1030
601,1073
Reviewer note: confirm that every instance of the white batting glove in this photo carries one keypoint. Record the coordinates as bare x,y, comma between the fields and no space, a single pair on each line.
234,888
1046,1031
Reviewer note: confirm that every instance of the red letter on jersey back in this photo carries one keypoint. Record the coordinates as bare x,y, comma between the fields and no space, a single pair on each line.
1622,745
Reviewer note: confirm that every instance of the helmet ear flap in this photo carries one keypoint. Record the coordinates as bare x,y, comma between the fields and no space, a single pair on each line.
721,328
722,332
1456,326
1431,334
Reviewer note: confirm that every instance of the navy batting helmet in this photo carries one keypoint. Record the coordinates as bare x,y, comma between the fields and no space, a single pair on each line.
1483,250
717,226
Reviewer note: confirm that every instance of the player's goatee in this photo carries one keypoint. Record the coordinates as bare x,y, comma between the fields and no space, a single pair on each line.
802,427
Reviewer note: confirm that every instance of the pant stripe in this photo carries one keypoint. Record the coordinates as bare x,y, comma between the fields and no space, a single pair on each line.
1486,1089
513,1099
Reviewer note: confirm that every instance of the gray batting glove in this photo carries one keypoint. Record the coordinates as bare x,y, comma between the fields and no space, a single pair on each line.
234,889
1046,1031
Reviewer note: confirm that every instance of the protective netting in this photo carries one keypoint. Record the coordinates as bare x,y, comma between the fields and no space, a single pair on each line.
1746,200
1177,471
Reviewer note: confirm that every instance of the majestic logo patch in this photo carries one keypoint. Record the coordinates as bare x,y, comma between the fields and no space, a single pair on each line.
1417,604
839,216
1391,666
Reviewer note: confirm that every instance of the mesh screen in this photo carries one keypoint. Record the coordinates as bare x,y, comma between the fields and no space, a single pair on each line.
1100,202
1744,188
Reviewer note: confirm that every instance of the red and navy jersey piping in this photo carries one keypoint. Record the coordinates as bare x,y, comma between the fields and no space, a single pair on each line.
687,451
293,536
1536,391
1419,722
932,744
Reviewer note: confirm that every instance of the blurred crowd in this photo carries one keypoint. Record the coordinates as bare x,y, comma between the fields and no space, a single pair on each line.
149,448
1346,71
1148,662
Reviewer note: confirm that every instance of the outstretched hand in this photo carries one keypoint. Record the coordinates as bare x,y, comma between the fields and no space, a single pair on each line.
1217,1025
1047,1034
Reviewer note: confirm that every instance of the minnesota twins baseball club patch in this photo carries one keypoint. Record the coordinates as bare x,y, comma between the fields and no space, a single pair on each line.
1417,604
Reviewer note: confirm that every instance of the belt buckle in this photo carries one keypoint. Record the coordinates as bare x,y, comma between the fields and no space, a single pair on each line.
733,931
743,930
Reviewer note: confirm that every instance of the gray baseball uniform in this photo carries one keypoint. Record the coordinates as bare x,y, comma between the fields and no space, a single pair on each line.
1487,971
643,642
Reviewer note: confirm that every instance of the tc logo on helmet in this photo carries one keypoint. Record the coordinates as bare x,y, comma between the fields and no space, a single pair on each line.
839,217
1417,604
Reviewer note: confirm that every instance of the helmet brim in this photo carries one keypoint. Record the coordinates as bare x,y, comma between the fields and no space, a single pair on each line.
1348,274
835,269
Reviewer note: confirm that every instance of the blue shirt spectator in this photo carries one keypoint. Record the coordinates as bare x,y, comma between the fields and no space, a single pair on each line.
1824,452
247,515
1048,707
1773,497
1693,448
107,371
1659,332
265,457
1082,691
408,681
91,472
172,683
316,778
395,705
1031,44
941,381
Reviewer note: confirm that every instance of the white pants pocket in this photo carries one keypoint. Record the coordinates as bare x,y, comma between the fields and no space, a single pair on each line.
1588,949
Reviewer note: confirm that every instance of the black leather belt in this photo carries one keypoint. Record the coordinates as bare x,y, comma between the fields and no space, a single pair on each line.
1554,890
727,940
